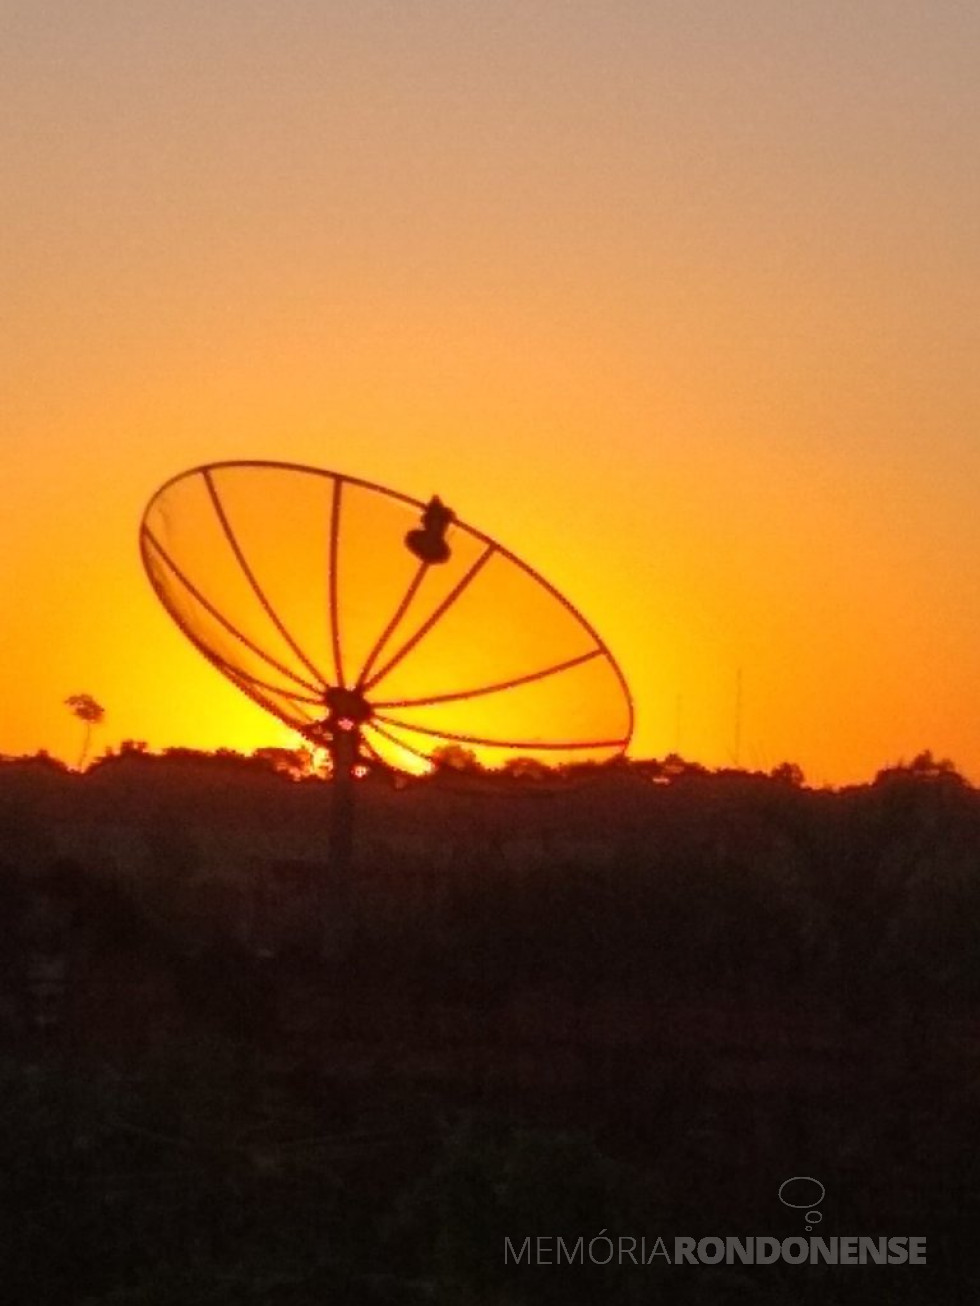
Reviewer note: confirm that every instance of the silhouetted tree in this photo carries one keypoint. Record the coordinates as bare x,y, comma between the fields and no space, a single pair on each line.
453,757
526,768
297,763
922,767
91,714
788,773
674,767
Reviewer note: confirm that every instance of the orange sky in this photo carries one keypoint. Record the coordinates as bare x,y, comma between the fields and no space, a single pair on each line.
681,301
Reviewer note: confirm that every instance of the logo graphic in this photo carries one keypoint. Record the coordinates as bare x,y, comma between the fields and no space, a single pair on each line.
802,1189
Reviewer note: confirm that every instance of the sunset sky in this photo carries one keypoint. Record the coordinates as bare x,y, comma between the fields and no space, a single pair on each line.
679,299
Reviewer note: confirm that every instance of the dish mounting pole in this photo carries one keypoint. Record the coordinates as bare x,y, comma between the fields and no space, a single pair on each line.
336,925
348,710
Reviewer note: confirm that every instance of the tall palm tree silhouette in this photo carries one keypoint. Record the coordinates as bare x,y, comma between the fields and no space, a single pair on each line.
91,714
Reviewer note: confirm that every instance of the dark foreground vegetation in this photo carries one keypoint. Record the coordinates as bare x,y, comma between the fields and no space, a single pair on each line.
628,1003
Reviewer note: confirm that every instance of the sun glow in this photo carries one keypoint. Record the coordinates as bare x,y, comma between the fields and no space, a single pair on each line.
618,284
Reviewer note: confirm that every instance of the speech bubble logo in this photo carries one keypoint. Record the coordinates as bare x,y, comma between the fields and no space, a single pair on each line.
807,1193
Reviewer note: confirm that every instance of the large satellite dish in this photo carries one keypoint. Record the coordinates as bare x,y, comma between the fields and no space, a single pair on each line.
350,610
378,626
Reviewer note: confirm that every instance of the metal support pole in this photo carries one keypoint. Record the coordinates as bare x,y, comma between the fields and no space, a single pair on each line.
337,901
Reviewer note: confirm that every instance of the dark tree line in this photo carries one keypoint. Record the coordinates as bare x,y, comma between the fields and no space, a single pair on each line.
636,999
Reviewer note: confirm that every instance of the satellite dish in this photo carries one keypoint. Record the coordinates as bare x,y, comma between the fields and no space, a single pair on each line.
378,626
346,609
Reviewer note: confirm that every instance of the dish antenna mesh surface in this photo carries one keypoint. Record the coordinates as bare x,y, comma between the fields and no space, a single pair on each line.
377,625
